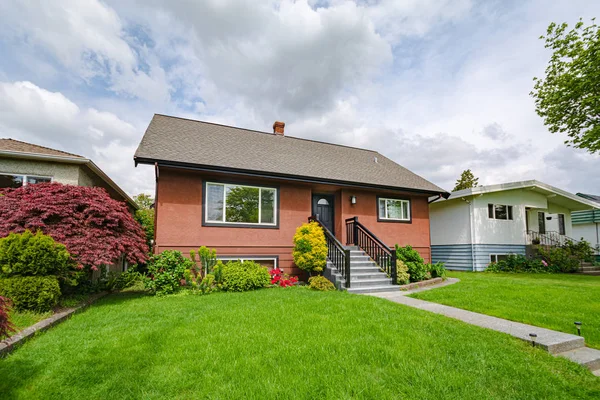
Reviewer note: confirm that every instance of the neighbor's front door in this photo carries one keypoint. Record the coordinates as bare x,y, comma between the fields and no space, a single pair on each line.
322,207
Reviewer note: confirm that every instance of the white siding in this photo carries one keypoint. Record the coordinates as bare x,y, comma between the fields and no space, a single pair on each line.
589,232
449,222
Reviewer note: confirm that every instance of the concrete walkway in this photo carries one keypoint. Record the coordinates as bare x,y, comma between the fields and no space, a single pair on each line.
556,343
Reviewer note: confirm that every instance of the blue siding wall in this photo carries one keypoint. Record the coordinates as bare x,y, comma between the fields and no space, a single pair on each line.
458,257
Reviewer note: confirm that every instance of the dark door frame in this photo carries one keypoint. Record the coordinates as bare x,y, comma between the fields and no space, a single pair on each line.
331,198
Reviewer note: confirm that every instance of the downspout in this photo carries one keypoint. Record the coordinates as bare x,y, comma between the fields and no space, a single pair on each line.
470,203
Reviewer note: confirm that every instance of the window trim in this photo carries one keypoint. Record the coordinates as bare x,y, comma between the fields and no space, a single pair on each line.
496,255
394,220
240,224
25,176
255,258
510,213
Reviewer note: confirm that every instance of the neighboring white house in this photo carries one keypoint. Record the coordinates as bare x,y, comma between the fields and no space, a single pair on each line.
586,224
476,226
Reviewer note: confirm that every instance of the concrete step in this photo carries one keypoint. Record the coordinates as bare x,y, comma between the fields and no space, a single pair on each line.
361,270
589,358
362,283
596,372
358,264
359,259
373,289
584,269
367,275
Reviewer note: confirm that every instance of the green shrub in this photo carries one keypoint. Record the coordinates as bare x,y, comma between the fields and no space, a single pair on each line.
34,293
518,263
416,267
402,272
320,283
240,276
167,271
26,254
437,270
560,259
206,286
123,280
207,259
310,248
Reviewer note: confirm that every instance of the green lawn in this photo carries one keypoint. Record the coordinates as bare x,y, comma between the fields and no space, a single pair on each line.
23,319
280,343
553,301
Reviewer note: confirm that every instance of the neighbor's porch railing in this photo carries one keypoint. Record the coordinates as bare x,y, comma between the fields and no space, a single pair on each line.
336,253
358,235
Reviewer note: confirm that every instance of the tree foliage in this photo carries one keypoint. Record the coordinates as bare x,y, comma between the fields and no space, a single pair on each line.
95,228
466,181
145,215
568,97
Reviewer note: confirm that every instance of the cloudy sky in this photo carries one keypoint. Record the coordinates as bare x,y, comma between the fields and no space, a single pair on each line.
438,86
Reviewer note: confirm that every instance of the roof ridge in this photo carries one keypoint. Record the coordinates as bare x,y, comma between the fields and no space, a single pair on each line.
43,147
267,133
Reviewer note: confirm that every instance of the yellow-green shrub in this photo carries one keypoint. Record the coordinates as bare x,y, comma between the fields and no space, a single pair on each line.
320,283
310,248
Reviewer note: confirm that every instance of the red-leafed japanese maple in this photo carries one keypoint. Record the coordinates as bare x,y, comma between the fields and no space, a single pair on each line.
95,228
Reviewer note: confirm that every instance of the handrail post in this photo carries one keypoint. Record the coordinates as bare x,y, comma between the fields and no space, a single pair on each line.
347,267
355,233
394,268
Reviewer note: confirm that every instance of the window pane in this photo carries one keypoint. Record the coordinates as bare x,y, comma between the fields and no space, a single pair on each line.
33,180
501,257
561,224
214,202
394,209
381,208
510,215
11,181
241,204
267,206
493,258
500,211
491,210
405,214
270,264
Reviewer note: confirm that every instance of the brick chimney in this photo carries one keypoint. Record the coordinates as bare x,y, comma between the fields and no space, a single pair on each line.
278,127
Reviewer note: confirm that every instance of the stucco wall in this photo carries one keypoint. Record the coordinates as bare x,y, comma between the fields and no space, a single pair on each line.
62,173
179,218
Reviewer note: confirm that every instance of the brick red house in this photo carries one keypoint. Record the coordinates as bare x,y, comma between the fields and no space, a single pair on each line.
245,192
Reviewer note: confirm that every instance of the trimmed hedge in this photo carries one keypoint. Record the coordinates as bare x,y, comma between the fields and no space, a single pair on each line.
240,276
35,293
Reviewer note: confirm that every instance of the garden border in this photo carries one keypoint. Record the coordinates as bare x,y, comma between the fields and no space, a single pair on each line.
417,285
11,343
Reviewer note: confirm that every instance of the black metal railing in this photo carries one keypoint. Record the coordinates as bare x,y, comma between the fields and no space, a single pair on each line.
549,238
358,235
336,253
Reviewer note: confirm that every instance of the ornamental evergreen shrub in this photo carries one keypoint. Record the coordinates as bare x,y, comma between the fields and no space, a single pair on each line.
166,272
402,272
416,267
320,283
437,270
240,276
26,254
310,248
34,293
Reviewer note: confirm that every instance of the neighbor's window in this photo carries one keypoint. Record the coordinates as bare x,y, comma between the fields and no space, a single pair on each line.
561,224
239,204
500,211
394,209
16,181
498,257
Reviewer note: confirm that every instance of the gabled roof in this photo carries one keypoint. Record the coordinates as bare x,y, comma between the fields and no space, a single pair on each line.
569,200
189,143
21,150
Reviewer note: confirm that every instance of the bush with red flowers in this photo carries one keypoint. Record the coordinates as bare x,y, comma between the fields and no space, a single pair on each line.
95,228
278,278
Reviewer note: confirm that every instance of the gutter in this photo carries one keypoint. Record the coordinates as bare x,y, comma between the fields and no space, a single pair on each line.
72,160
298,178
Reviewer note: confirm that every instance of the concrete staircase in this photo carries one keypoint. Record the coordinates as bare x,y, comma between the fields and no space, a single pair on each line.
365,275
589,269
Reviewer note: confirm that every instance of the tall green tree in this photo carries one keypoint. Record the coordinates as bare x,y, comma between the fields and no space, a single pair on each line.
145,215
568,97
466,181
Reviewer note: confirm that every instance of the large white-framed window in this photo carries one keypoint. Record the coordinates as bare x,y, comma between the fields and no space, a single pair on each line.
500,211
390,209
498,257
8,180
237,204
266,261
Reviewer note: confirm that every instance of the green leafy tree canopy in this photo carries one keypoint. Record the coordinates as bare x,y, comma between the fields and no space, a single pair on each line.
568,97
466,181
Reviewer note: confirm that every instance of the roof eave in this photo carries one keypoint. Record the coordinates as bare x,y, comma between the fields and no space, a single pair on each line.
266,174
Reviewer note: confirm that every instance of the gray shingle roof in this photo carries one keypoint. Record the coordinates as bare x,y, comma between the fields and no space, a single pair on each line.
179,140
23,147
591,197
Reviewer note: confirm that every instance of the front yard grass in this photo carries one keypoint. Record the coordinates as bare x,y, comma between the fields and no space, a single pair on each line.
553,301
280,343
